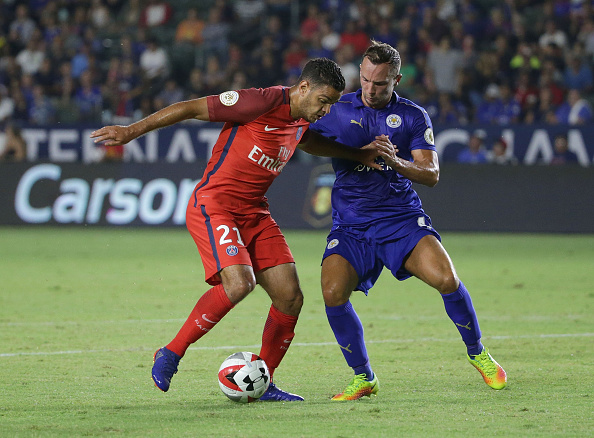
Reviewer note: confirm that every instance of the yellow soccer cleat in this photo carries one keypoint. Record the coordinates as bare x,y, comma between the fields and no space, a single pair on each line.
491,371
358,388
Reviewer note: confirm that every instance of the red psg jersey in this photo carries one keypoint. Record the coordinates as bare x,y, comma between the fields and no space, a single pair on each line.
257,140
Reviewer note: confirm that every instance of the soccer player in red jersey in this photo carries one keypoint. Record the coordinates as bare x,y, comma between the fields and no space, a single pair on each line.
227,215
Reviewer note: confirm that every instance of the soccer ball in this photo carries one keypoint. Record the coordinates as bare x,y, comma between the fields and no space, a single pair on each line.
244,377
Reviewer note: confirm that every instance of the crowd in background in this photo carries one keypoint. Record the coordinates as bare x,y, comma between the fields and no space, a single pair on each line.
116,61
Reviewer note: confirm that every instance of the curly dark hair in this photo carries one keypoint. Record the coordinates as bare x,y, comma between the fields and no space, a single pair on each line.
382,53
323,71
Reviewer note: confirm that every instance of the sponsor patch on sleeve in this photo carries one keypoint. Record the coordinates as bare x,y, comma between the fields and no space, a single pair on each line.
429,136
229,98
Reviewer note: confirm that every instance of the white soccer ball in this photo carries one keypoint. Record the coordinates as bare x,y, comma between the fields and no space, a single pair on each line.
244,377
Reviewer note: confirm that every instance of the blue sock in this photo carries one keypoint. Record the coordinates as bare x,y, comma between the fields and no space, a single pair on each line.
348,330
459,308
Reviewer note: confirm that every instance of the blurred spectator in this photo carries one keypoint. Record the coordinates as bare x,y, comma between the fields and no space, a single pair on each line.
81,61
41,109
189,30
444,62
526,90
385,32
214,75
216,33
491,108
553,35
99,15
578,75
316,50
448,111
329,38
575,110
23,26
129,89
586,37
500,154
195,87
170,94
15,147
510,107
88,98
475,152
31,57
311,23
155,65
345,58
155,13
561,153
6,104
355,35
525,60
46,76
129,15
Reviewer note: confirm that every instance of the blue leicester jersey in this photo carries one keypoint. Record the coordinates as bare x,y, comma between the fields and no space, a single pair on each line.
362,196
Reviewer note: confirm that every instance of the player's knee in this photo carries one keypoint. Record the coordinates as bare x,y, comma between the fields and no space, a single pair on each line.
239,289
448,283
334,294
290,302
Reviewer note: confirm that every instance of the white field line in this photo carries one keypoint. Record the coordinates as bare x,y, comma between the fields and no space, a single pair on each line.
301,344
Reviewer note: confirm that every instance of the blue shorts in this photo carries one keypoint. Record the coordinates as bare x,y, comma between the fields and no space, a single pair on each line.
369,256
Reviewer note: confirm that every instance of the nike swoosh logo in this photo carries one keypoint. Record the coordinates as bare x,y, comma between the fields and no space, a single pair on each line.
287,341
208,320
266,128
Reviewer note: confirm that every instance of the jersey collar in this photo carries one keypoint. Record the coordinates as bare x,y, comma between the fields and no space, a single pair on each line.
358,102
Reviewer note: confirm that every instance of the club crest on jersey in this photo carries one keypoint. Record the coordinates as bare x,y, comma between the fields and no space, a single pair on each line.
229,98
429,136
393,121
332,244
232,250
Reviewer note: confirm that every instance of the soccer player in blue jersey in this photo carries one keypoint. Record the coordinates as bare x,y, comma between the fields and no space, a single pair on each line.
378,219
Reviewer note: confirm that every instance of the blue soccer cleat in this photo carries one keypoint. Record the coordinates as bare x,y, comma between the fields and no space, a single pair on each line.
165,366
274,393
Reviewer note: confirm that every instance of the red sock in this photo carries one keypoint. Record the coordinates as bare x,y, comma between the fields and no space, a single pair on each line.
210,309
279,331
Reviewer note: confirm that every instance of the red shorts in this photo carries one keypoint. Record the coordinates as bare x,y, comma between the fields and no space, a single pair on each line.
225,239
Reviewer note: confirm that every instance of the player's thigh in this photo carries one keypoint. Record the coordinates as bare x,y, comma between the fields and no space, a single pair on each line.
339,279
281,283
430,262
266,243
218,238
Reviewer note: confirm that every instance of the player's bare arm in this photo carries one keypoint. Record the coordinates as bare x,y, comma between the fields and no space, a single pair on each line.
117,135
424,169
316,144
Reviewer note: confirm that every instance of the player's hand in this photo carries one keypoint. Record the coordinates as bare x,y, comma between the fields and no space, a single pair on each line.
369,153
386,149
112,135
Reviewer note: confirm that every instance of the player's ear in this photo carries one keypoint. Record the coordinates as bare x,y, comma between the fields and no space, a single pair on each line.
304,87
398,77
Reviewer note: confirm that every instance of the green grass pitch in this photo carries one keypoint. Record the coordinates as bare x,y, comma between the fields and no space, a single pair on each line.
82,311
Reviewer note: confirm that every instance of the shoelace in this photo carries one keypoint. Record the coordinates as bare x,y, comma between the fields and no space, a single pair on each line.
357,382
170,366
486,363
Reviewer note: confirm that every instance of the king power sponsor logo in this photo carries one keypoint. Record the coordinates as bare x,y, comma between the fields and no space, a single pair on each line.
43,196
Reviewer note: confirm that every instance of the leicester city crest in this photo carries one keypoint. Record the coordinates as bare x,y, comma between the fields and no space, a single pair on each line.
393,120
